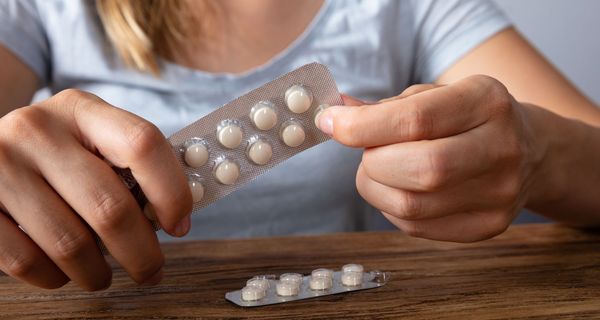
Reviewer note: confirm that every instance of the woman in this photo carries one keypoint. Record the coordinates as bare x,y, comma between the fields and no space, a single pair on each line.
453,160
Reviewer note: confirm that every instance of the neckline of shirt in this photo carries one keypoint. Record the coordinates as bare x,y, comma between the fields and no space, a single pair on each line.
178,75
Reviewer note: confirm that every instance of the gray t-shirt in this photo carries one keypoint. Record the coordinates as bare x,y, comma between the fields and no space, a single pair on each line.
374,48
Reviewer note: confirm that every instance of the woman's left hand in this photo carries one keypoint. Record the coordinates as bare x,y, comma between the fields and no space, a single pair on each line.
451,163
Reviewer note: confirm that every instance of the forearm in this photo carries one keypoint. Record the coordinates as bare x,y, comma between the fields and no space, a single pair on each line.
566,185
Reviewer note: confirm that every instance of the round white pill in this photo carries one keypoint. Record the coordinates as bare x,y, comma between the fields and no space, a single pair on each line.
320,283
197,190
322,273
260,152
263,115
258,282
352,267
287,289
294,278
298,99
196,155
352,279
230,135
292,134
252,294
227,172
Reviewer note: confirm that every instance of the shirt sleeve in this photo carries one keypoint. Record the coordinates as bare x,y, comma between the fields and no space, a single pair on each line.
22,32
446,30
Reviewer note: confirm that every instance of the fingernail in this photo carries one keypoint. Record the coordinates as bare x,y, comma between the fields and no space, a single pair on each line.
155,279
326,122
183,226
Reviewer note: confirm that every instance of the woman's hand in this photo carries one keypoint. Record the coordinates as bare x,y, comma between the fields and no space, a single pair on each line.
56,185
450,163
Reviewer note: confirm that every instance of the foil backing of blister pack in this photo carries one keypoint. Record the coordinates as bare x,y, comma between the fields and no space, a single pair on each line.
315,77
372,279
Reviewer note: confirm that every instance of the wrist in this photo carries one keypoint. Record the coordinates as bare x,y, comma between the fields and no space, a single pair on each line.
551,140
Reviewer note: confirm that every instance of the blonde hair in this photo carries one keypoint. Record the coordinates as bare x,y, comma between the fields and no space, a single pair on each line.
141,31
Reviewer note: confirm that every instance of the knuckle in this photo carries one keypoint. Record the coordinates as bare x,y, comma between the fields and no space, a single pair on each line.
417,88
362,182
407,206
513,150
143,138
361,188
110,212
509,190
74,99
71,95
497,89
5,163
22,124
434,173
416,125
369,160
72,244
19,265
496,92
485,82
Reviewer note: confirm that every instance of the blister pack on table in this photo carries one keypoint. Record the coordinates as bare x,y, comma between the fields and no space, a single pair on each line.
265,290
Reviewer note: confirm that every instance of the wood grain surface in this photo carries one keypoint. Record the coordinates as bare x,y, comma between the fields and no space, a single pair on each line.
530,272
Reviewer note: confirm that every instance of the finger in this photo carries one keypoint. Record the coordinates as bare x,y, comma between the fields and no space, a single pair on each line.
432,165
408,205
22,259
103,201
56,229
351,101
463,227
428,115
412,90
128,141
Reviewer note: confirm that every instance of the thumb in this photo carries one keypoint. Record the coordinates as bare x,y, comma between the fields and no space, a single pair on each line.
325,123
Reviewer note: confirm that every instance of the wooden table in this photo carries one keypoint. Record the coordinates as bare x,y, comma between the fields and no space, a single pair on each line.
530,272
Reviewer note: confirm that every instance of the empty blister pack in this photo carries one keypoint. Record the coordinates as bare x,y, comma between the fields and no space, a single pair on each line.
249,135
267,289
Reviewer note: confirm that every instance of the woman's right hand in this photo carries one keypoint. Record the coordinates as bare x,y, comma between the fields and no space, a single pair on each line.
55,186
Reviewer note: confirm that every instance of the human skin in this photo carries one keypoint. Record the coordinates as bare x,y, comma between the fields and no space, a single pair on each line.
524,148
457,162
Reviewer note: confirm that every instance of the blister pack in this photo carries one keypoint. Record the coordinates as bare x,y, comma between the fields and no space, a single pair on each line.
268,289
249,135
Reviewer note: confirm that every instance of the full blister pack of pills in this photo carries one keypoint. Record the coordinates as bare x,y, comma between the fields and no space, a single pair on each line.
268,289
249,135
